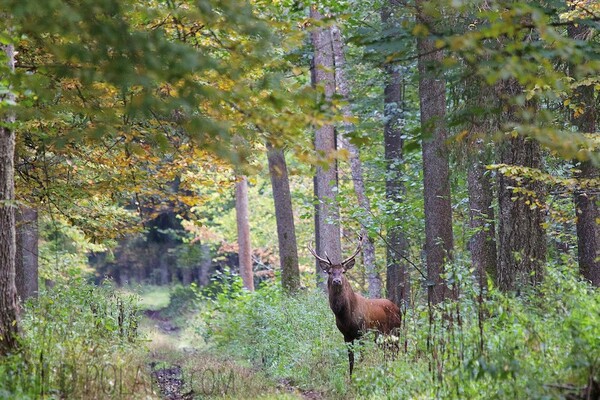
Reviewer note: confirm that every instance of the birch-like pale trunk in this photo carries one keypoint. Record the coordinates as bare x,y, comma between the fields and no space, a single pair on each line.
243,229
327,226
284,215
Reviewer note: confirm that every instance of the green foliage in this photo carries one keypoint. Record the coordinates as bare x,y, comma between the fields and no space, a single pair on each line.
291,338
543,344
183,299
63,251
68,334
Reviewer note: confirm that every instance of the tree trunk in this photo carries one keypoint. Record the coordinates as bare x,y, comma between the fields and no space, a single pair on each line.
587,198
398,282
436,175
204,267
482,244
186,276
163,264
8,291
481,215
521,237
327,228
26,258
286,230
342,88
588,226
243,228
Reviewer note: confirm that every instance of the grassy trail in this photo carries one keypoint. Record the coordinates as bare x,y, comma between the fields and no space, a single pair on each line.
185,367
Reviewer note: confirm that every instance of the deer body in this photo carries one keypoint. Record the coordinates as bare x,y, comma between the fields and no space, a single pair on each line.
355,314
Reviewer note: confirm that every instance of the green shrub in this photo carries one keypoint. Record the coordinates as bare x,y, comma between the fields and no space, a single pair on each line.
543,344
70,335
293,338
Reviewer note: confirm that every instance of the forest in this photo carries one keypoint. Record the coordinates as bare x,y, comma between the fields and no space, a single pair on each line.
378,199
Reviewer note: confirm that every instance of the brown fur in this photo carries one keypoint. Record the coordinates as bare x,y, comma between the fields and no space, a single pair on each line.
356,315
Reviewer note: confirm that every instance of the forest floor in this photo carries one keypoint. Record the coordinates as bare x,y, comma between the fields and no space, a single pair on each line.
184,367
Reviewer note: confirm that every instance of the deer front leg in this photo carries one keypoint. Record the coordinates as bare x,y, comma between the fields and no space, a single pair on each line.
350,346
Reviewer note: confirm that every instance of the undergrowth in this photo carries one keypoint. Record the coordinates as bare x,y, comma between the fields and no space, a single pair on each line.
542,344
78,341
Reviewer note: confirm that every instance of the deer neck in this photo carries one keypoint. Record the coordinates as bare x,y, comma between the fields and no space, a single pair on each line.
341,298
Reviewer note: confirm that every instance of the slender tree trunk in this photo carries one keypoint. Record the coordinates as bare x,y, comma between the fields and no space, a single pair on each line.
587,199
342,88
9,328
26,262
398,282
327,228
204,267
123,278
482,244
521,236
286,230
186,276
436,174
243,228
481,215
163,264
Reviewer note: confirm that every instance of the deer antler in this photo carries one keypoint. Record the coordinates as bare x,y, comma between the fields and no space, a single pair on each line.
358,249
327,261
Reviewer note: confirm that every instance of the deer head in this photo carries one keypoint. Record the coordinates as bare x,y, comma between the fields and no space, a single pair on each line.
336,271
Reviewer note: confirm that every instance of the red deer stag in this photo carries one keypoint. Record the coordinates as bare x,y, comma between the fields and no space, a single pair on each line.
354,314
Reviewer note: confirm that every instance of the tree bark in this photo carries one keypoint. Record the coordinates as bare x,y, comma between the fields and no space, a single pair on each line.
243,228
163,264
521,236
26,259
284,215
436,174
482,244
342,88
327,226
398,282
186,276
481,215
204,267
587,199
9,327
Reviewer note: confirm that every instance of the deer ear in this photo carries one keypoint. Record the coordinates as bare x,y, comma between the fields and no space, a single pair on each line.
348,264
325,266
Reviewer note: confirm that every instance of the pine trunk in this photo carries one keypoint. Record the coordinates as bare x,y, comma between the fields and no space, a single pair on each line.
436,174
481,216
398,282
587,199
521,236
8,292
482,243
26,259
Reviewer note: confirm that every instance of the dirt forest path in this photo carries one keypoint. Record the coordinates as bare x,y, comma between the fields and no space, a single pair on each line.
182,369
